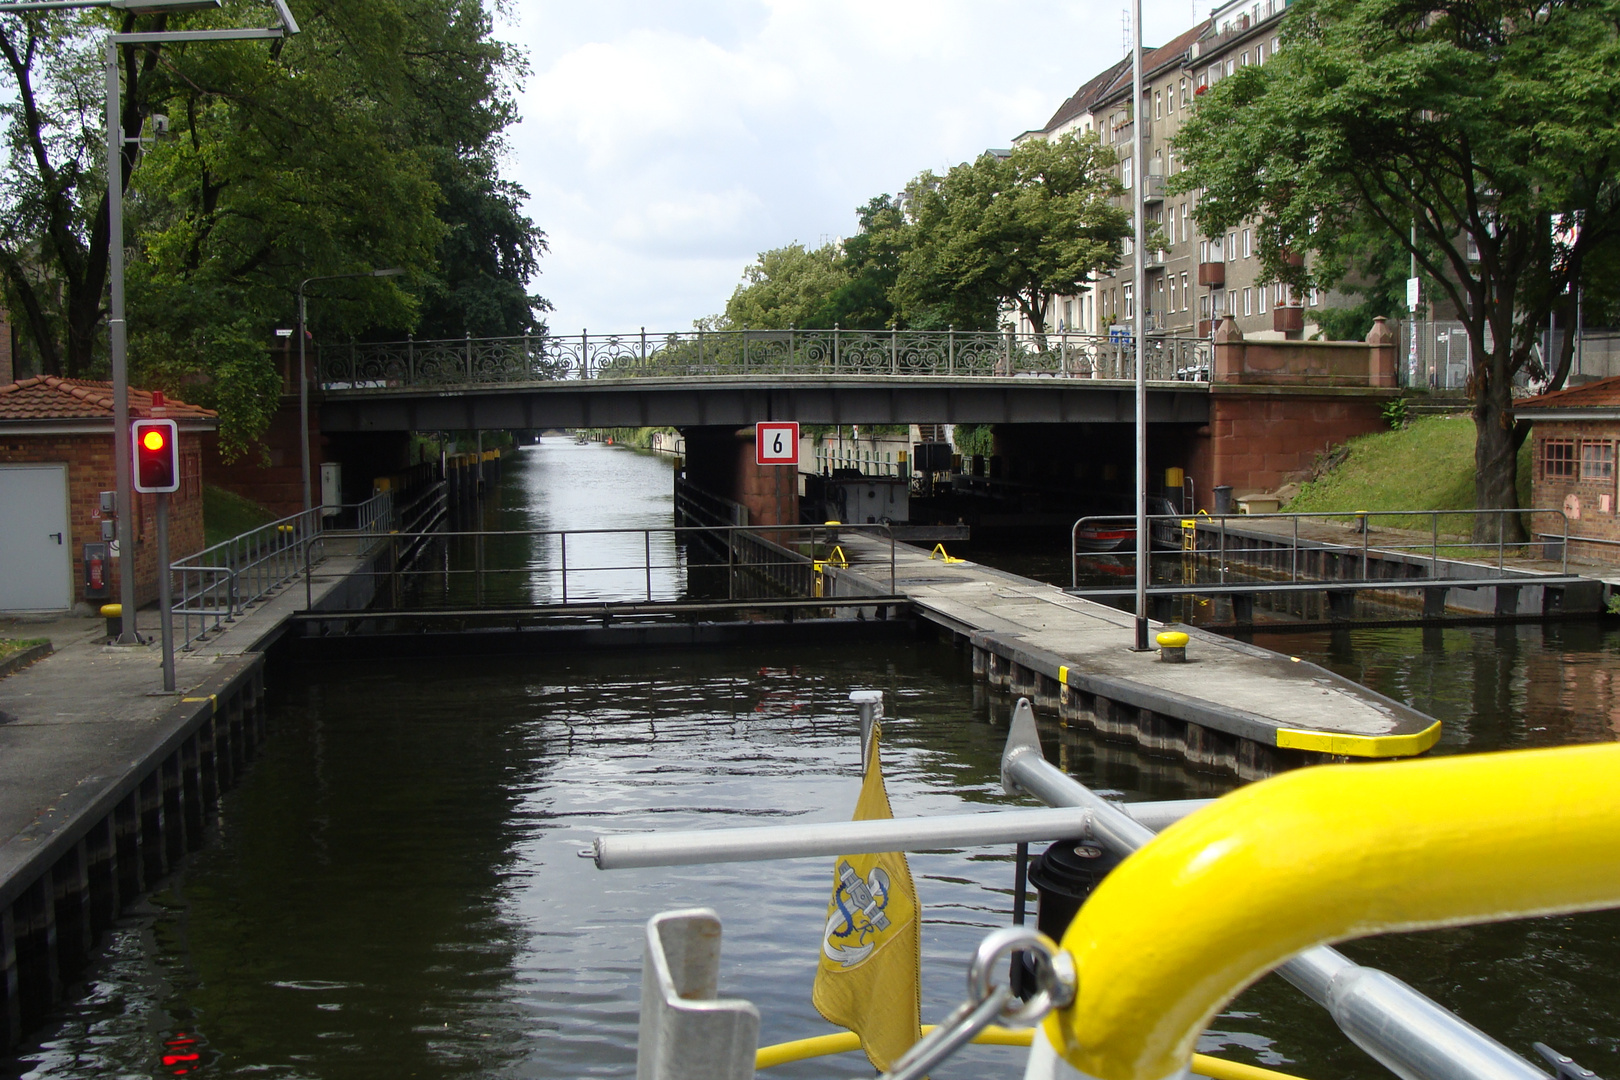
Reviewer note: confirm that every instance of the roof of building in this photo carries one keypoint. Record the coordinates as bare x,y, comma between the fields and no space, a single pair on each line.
1085,97
46,397
1600,394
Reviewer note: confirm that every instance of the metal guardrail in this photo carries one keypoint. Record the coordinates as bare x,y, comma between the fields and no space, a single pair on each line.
1224,540
221,582
918,353
767,552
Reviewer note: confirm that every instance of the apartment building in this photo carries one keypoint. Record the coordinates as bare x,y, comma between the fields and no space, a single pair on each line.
1190,278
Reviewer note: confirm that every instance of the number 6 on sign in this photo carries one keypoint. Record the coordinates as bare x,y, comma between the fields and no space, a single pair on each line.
776,443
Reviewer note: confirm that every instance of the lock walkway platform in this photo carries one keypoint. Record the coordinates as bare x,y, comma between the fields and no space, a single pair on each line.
1230,705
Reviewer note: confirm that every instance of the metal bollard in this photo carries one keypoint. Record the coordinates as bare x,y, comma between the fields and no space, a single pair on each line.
1172,646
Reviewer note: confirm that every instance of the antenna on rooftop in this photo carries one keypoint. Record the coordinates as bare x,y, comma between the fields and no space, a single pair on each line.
1125,28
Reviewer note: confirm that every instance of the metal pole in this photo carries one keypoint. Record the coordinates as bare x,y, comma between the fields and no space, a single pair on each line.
1406,1032
118,339
647,537
303,397
165,589
1139,286
562,545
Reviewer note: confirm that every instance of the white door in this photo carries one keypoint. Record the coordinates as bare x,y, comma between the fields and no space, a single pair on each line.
36,567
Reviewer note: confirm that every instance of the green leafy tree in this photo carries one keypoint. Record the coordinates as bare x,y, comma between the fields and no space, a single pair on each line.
787,287
872,261
369,140
1492,128
1015,230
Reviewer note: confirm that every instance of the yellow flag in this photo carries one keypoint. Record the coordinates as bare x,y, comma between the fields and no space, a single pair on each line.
869,977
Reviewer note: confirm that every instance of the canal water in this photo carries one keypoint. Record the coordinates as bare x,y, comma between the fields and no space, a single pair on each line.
395,889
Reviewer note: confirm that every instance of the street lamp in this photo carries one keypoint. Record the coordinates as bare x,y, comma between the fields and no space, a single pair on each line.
116,327
303,376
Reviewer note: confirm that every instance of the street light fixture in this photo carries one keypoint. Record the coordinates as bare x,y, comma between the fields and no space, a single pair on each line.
117,330
303,375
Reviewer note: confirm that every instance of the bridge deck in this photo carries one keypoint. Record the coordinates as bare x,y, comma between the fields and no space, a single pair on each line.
1225,685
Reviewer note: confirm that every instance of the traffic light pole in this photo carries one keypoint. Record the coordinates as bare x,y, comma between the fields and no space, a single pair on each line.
165,590
120,352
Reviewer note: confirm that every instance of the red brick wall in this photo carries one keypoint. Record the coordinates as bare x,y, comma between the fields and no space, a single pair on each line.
1258,442
89,459
1587,492
770,492
269,472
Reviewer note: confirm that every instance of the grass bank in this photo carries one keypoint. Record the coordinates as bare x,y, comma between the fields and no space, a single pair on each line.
226,514
1427,465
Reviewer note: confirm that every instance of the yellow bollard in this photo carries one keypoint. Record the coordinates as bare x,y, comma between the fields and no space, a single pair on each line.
1172,646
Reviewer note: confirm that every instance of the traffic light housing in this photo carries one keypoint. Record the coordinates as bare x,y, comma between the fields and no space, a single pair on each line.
157,455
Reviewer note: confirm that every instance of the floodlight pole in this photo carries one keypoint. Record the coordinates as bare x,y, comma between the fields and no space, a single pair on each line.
117,328
1140,116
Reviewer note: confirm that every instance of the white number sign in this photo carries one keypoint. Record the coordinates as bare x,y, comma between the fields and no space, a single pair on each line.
776,443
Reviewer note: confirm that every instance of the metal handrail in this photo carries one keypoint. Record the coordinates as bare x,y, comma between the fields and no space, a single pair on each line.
1361,520
934,353
766,551
220,582
1405,1031
1239,887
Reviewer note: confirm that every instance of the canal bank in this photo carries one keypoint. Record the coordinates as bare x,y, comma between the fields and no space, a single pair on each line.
395,887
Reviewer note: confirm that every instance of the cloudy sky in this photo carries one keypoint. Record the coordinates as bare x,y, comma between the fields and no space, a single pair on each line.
665,144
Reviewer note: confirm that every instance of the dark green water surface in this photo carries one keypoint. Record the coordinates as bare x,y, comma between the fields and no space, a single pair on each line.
394,890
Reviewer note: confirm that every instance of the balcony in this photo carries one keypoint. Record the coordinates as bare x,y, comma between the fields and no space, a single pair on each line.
1153,190
1288,319
1212,274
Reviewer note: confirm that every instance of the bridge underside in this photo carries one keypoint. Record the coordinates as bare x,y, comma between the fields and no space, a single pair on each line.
701,402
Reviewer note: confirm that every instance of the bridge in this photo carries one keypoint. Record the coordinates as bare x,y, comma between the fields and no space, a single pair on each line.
1244,413
710,378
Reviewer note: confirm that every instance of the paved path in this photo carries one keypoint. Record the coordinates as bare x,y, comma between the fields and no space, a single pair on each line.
73,724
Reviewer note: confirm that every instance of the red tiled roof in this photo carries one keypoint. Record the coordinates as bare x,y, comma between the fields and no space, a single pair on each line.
1604,393
1117,77
46,397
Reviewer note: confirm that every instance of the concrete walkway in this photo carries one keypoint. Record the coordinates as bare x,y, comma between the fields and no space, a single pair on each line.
73,723
1239,689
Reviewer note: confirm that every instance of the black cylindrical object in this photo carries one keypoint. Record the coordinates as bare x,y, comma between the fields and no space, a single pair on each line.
1223,499
1064,875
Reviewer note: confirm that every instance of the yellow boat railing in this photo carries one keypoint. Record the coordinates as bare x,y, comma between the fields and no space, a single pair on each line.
1322,855
843,1042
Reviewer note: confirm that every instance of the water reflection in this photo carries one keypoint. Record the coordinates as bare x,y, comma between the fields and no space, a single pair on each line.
551,486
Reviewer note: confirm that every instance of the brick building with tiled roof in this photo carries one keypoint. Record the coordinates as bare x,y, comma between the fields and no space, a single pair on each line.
56,458
1573,436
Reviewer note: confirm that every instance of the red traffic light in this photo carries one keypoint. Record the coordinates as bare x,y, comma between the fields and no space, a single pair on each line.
157,465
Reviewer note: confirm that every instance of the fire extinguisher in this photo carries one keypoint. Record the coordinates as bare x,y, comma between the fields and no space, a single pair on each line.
96,585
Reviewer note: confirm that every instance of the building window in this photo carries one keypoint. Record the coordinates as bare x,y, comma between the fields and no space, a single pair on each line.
1245,58
1557,459
1248,243
1130,309
1172,292
1260,300
1231,66
1247,298
1597,460
1260,53
1158,103
1203,307
1231,247
1186,296
1125,173
1203,251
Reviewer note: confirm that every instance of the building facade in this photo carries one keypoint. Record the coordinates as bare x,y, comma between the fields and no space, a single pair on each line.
1574,437
1192,280
56,458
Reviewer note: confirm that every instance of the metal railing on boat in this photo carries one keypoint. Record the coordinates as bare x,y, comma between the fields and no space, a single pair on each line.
1410,1034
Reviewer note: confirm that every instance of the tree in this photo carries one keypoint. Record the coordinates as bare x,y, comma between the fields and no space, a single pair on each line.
1488,127
369,140
787,287
1016,230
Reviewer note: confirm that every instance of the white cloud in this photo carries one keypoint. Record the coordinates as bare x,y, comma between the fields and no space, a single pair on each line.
665,144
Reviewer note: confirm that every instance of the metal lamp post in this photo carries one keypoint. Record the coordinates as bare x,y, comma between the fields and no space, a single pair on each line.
303,375
116,327
1139,116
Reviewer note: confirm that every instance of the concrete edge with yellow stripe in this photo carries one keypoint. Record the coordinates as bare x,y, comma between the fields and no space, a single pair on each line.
1413,734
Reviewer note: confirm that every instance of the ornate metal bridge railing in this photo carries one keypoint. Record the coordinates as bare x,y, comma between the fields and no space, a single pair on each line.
938,354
